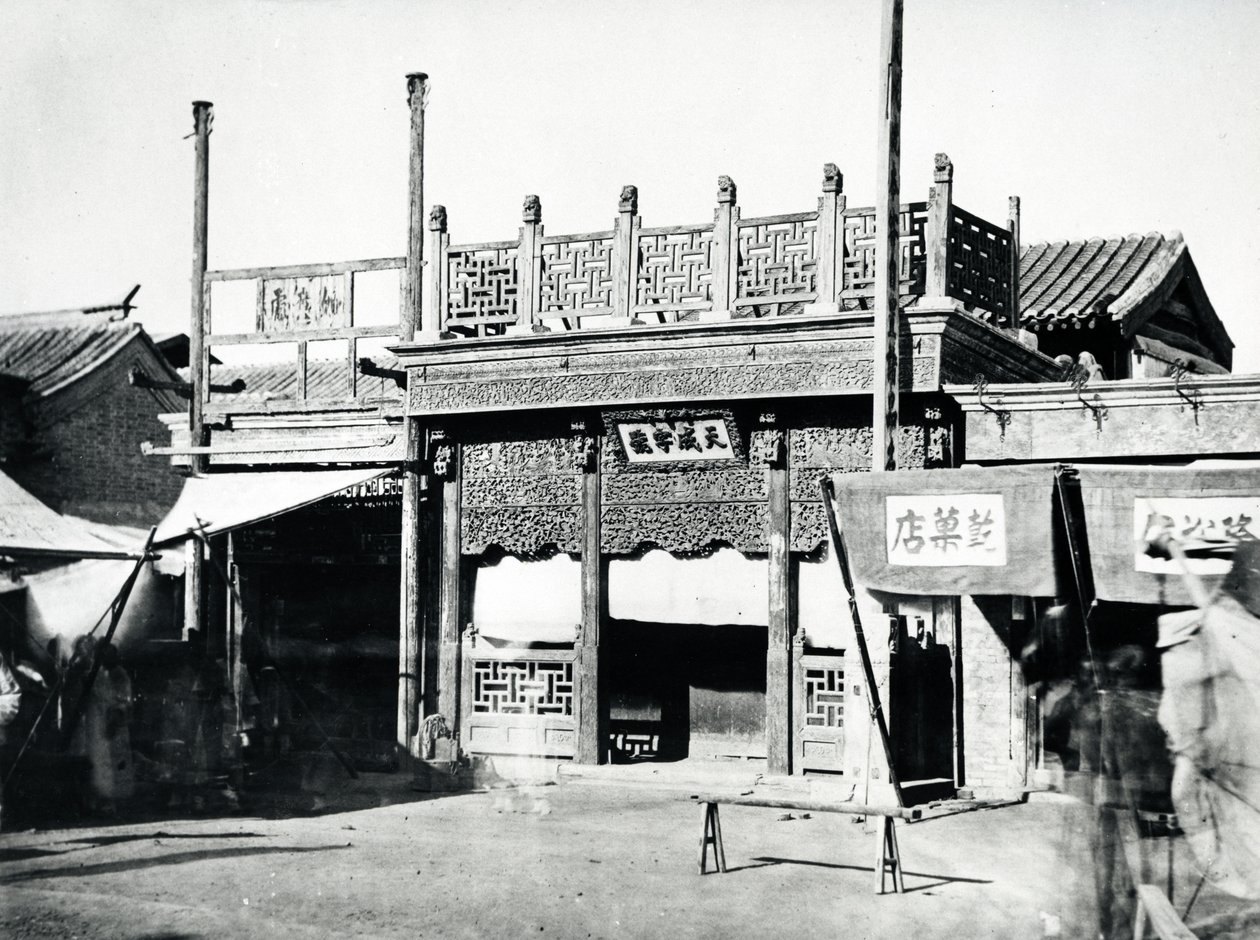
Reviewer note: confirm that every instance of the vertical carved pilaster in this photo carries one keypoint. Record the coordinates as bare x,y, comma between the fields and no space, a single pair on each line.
940,206
830,241
433,316
529,269
725,252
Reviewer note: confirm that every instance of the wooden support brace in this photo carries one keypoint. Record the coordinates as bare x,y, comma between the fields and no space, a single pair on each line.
711,835
888,857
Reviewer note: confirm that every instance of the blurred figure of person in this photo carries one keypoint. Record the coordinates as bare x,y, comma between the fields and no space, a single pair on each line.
10,701
103,734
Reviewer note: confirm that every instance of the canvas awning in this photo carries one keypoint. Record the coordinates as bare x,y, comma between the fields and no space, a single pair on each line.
1207,509
951,532
220,502
28,527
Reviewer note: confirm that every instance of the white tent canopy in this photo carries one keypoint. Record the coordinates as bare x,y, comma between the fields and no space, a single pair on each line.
220,502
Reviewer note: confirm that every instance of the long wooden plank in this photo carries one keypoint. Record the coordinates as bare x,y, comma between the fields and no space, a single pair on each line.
295,336
306,270
813,806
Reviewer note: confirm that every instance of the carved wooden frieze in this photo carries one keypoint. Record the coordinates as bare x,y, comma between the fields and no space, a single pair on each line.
521,530
546,455
809,527
684,527
754,379
544,490
742,484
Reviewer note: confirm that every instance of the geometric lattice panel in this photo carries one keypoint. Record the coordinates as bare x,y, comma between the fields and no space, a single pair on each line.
522,687
777,258
824,696
576,275
482,286
675,269
860,235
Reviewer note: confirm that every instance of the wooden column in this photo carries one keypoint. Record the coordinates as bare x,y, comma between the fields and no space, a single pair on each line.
1012,225
410,613
936,234
725,252
830,241
887,333
417,92
446,468
779,648
411,595
625,256
198,355
592,742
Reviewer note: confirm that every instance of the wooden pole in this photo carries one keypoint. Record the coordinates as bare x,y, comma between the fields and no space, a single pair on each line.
779,639
886,334
410,620
872,688
417,92
198,360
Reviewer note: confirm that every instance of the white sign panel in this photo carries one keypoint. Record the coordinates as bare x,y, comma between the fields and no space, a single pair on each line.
945,531
1206,527
675,441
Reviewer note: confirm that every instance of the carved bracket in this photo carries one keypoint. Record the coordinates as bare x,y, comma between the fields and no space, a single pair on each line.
441,454
981,385
1096,408
1193,397
768,446
586,452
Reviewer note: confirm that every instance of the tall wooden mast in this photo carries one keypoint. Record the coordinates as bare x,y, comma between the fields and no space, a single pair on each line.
887,217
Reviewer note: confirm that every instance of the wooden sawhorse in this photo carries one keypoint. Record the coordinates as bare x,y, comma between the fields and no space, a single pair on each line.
887,855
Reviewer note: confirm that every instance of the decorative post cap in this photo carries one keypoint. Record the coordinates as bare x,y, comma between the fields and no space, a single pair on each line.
532,210
417,83
1012,207
629,201
833,179
437,219
944,170
726,191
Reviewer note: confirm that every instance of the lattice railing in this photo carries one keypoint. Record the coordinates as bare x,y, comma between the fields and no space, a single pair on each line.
979,261
778,260
808,262
576,276
522,687
674,270
482,288
860,238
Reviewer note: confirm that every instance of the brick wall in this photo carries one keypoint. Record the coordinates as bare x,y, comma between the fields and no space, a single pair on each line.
94,467
994,697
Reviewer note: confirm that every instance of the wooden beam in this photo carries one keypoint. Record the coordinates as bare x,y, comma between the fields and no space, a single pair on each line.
317,269
814,806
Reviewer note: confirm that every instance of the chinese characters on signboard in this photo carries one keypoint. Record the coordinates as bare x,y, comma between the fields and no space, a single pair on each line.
303,303
940,531
1206,527
674,441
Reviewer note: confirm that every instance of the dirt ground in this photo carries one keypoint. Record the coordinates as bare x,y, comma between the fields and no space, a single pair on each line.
578,859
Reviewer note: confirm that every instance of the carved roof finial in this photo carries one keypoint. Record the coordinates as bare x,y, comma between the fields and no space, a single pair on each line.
417,83
629,201
532,210
944,169
726,191
833,179
437,219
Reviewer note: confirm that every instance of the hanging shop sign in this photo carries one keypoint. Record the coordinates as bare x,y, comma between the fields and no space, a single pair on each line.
664,440
1208,529
303,303
946,530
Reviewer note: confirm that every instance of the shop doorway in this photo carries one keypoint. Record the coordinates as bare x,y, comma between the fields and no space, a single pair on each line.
677,691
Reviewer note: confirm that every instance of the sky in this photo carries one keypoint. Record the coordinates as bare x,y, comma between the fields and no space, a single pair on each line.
1104,117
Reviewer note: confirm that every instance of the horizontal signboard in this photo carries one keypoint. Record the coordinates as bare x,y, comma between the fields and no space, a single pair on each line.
946,530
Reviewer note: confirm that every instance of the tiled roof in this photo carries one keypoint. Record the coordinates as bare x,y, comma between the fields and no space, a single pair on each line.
47,356
325,379
1117,277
